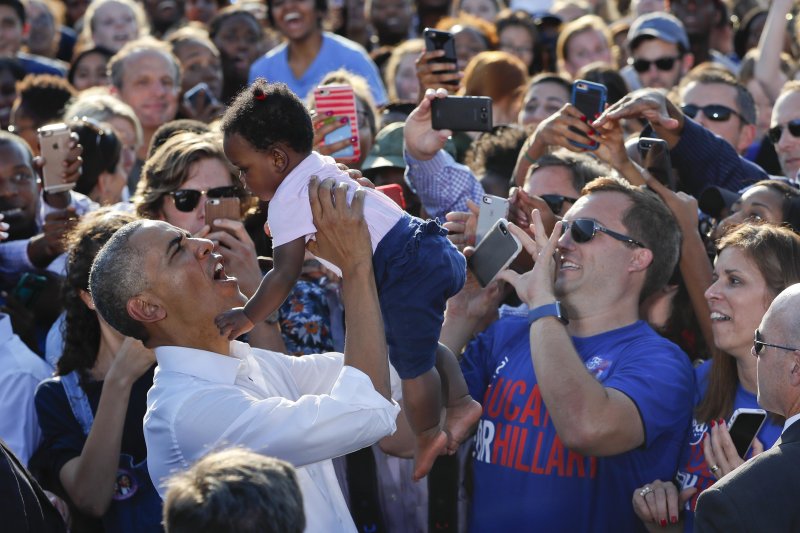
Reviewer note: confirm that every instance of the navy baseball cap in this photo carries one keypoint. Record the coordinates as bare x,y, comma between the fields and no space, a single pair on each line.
661,26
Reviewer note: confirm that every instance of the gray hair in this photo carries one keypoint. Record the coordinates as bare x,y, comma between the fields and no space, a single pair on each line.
116,277
235,490
116,65
96,103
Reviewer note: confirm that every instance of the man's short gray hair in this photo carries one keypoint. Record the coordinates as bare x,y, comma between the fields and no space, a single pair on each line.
116,277
116,65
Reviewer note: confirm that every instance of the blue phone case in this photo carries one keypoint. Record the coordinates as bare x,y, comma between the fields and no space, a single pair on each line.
590,99
340,134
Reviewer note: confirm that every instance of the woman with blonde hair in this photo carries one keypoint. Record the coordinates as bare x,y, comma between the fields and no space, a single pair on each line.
583,41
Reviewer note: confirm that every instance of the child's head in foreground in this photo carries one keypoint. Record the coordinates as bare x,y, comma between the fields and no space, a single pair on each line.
267,131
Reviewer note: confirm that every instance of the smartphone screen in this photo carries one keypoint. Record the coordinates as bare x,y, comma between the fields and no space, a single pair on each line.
743,428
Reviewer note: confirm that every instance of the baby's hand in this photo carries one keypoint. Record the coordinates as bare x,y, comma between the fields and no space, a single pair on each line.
233,323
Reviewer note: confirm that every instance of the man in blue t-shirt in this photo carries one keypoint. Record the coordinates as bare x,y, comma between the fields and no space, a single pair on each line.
582,401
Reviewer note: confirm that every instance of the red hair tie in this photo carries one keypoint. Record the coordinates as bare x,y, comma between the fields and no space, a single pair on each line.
258,94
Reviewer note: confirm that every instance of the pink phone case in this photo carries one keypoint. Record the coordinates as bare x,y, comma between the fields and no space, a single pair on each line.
339,101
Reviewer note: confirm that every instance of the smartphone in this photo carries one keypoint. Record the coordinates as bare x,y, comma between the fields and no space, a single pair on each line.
493,208
495,252
744,426
655,158
200,96
222,208
462,113
340,101
442,40
395,192
590,99
54,147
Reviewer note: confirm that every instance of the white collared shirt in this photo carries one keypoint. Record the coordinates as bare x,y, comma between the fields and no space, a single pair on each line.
789,422
304,410
21,371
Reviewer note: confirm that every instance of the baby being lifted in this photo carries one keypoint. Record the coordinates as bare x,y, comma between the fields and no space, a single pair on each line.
268,135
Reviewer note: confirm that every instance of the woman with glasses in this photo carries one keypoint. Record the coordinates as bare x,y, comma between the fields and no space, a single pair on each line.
754,263
177,181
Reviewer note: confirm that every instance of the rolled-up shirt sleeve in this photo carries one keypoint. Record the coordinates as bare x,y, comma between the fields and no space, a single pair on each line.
442,184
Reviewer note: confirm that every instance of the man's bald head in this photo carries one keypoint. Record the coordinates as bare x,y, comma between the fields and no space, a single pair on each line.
783,315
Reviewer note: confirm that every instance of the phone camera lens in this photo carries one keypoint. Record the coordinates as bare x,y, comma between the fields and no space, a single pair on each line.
503,230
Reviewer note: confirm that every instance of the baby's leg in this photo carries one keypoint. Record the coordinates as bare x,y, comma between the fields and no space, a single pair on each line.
423,405
463,412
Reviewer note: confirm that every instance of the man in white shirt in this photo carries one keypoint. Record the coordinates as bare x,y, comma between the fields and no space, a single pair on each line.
21,370
155,282
761,495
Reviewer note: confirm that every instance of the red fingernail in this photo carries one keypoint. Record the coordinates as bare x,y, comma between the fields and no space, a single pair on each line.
663,523
713,423
720,421
596,115
591,132
353,140
592,143
343,120
583,118
328,113
673,519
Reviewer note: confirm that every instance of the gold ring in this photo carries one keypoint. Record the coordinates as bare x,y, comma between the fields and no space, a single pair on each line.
713,469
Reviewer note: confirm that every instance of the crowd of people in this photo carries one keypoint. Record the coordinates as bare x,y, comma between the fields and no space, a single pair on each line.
318,356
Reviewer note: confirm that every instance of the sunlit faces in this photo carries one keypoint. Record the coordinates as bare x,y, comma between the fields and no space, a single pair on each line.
90,71
703,94
296,19
18,190
596,271
238,41
149,87
391,17
10,31
204,174
518,41
542,100
200,64
484,9
405,79
652,50
258,169
113,25
737,299
584,48
786,109
552,180
759,204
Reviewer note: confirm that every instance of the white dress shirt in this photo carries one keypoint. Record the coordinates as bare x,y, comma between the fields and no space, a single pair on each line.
304,410
21,371
789,422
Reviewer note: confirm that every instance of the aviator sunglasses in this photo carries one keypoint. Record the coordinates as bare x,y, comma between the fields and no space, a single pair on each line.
775,133
187,199
715,112
758,344
584,229
662,63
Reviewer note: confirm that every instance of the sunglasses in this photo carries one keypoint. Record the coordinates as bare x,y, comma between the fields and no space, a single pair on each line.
186,200
715,112
662,63
758,344
775,133
556,201
584,229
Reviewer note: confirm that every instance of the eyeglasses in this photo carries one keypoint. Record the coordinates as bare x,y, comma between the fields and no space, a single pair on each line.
584,229
556,201
186,200
715,112
775,133
662,63
758,344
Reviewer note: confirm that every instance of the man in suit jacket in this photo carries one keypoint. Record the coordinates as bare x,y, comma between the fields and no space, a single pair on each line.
761,495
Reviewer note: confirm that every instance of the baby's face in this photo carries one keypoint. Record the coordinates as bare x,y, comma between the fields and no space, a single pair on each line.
256,168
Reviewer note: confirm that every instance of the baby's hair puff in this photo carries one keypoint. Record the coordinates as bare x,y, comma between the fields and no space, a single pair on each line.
268,113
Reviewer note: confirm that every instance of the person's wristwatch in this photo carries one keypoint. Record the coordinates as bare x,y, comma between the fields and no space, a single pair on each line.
554,309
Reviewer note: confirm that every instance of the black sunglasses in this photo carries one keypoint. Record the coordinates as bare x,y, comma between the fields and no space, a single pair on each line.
662,63
186,200
584,229
775,133
715,112
758,344
556,201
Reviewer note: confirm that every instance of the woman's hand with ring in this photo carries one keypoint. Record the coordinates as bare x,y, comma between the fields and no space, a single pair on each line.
658,504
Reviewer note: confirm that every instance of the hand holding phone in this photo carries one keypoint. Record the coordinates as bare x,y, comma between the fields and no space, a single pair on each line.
590,99
462,113
200,96
54,147
493,208
340,101
744,426
656,160
442,40
217,208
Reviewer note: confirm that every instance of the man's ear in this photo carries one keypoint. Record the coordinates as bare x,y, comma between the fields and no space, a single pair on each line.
86,298
687,62
142,309
640,260
747,134
794,370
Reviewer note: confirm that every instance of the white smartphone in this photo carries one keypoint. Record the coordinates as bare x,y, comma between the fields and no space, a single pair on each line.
493,208
495,252
744,426
54,147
